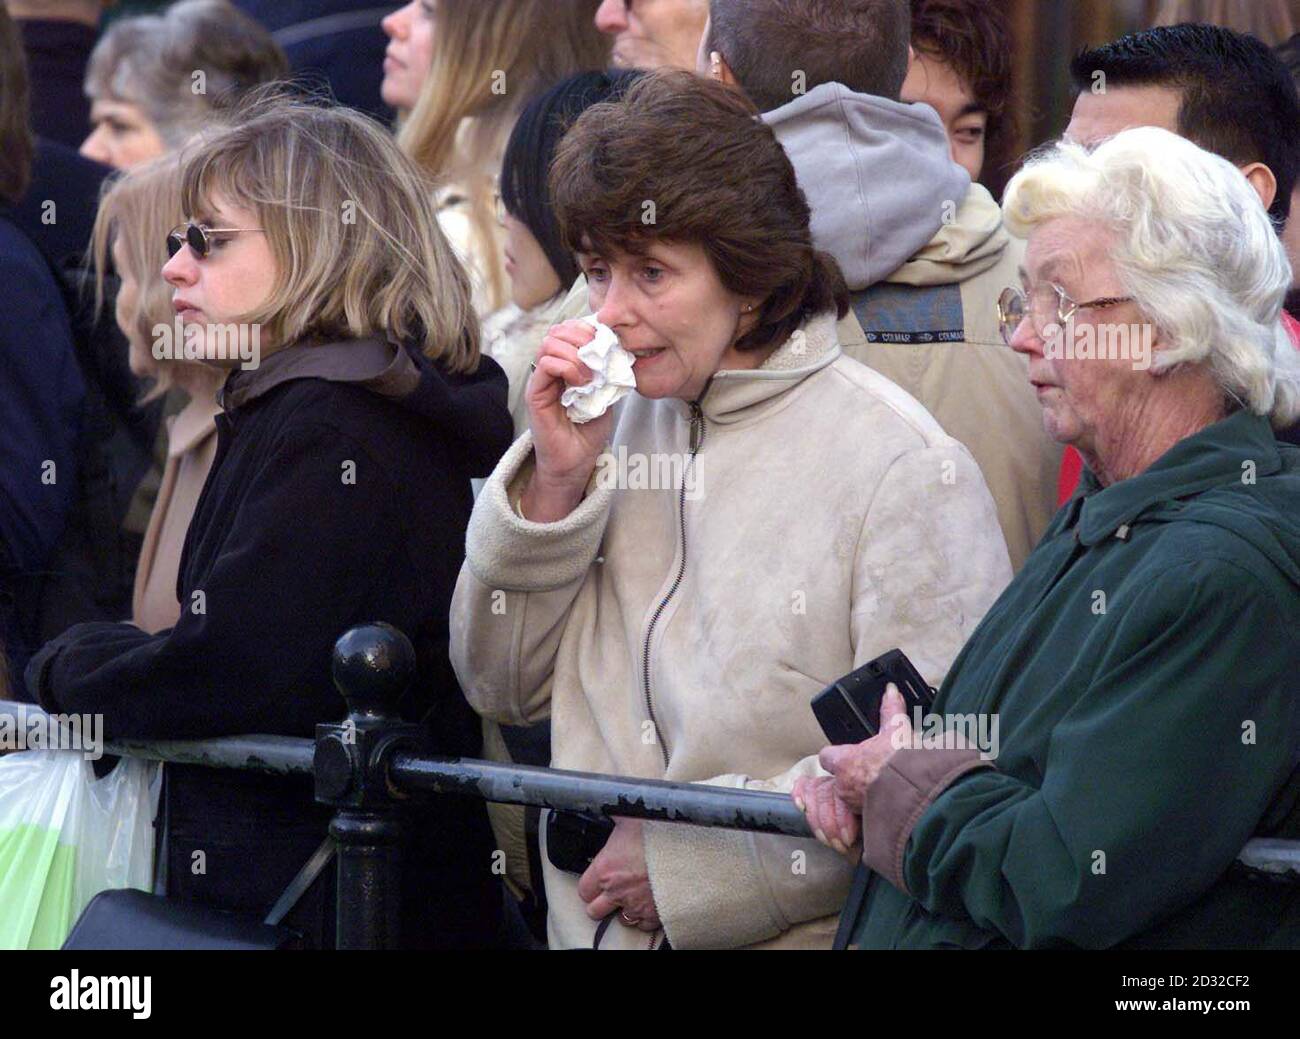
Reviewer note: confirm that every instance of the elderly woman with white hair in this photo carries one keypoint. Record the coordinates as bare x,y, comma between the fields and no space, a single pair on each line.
1140,669
155,80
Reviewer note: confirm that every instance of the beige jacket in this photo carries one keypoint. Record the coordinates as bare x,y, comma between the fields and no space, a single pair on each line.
971,382
680,632
191,447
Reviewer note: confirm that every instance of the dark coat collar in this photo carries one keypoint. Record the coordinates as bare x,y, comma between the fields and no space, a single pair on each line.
1216,455
379,366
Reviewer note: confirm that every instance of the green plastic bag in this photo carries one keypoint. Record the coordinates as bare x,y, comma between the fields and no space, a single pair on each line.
64,837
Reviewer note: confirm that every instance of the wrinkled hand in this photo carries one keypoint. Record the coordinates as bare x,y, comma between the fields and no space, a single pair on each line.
566,450
618,880
832,820
833,804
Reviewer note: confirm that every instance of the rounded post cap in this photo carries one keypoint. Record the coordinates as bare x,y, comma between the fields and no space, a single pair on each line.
373,666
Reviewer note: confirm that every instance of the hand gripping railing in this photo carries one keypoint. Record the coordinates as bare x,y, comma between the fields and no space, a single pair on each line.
367,765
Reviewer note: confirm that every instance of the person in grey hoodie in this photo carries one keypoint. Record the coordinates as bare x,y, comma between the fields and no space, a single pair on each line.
922,249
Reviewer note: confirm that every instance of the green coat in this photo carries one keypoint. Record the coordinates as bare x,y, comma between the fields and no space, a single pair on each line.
1144,668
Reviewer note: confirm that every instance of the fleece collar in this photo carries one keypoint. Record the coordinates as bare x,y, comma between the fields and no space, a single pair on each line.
735,395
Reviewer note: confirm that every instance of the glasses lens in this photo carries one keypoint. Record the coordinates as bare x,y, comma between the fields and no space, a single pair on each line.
197,239
1011,311
174,243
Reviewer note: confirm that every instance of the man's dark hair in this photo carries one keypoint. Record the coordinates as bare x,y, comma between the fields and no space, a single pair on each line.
973,38
859,43
15,130
1238,99
528,157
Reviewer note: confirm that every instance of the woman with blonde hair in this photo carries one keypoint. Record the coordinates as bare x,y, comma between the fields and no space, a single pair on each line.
355,411
134,217
459,72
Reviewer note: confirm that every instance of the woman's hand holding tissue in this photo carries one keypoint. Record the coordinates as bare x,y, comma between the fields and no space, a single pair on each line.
566,450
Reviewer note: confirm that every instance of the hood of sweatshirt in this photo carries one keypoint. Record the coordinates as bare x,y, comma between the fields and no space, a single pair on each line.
468,408
877,175
968,244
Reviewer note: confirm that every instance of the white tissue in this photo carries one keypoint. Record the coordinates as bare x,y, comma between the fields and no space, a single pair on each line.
611,376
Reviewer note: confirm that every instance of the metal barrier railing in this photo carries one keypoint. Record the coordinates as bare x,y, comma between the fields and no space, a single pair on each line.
368,764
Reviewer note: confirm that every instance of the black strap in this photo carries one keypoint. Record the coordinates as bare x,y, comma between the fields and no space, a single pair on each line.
852,907
292,895
532,842
601,928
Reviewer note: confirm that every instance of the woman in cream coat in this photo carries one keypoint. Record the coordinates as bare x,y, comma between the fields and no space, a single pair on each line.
768,515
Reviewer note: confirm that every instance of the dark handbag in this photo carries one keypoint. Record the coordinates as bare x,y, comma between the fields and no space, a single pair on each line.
125,918
130,919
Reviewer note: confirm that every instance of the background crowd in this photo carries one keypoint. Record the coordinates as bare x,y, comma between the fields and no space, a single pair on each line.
866,227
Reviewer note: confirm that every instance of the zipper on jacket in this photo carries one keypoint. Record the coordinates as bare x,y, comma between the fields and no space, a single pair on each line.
696,442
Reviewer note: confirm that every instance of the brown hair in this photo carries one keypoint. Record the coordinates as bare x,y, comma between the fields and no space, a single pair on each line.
716,177
973,38
780,48
15,131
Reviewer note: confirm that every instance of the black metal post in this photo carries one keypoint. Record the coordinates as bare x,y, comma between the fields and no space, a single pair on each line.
373,665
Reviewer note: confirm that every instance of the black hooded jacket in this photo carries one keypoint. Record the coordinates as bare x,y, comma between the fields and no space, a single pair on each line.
339,495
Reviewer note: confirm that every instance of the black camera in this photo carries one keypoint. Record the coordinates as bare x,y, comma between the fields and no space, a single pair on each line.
849,708
573,839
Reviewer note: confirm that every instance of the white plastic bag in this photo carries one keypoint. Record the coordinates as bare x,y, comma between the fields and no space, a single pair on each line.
64,837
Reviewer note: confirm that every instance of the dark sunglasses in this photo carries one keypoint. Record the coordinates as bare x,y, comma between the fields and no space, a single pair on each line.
196,237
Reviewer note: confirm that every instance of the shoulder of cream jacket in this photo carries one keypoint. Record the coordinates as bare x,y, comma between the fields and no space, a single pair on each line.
725,565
